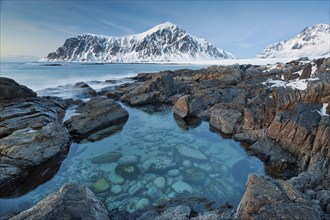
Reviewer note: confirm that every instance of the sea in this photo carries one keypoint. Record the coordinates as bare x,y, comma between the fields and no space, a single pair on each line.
169,159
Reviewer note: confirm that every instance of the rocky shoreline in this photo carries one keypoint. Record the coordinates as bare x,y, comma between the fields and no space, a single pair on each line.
279,112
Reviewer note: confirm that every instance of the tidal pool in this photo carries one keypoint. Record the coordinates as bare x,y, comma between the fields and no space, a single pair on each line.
148,161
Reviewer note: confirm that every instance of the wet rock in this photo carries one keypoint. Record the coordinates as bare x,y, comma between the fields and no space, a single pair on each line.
97,114
84,90
101,185
173,172
181,187
10,90
129,160
116,189
160,182
225,120
127,171
324,197
71,202
142,203
109,157
266,198
190,152
30,134
158,164
194,175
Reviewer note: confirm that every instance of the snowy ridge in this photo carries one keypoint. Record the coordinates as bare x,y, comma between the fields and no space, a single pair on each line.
311,42
163,43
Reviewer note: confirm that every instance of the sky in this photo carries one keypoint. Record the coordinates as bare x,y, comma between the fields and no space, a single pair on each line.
243,27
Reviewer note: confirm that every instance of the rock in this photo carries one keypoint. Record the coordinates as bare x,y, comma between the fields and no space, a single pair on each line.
129,160
225,120
71,202
160,182
324,197
246,138
109,157
10,90
180,187
194,175
190,152
306,72
187,164
266,198
141,204
97,114
173,172
84,90
116,189
31,134
178,212
187,106
158,164
136,188
101,185
117,180
128,171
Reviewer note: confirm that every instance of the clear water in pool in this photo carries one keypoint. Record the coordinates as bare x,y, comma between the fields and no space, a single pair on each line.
150,160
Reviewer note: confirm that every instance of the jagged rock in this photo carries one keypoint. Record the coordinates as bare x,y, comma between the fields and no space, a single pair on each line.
97,114
31,134
84,89
10,89
266,198
187,106
307,71
225,120
70,202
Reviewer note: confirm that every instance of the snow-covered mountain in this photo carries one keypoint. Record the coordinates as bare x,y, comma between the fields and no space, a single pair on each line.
163,43
311,42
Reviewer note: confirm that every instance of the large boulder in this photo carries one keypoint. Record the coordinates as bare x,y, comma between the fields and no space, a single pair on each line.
31,134
10,89
70,202
97,114
266,198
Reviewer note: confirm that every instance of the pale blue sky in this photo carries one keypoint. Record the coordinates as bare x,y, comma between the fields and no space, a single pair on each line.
35,28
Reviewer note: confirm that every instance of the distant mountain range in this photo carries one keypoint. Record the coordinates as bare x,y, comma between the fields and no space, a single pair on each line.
311,42
163,43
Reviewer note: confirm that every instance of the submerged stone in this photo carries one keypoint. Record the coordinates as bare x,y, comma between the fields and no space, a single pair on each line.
109,157
142,203
128,171
160,182
194,175
158,164
180,187
191,152
101,185
129,160
116,189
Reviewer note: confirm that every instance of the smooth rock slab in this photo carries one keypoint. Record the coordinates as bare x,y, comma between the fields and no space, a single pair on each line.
190,152
71,202
181,212
10,90
97,114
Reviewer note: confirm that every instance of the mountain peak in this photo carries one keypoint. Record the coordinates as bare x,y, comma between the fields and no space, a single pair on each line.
165,42
312,41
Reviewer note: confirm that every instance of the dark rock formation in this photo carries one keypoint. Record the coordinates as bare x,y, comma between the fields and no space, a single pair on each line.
225,120
71,202
97,114
266,198
31,134
10,89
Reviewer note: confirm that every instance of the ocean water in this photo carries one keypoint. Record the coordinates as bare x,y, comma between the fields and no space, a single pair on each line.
150,159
